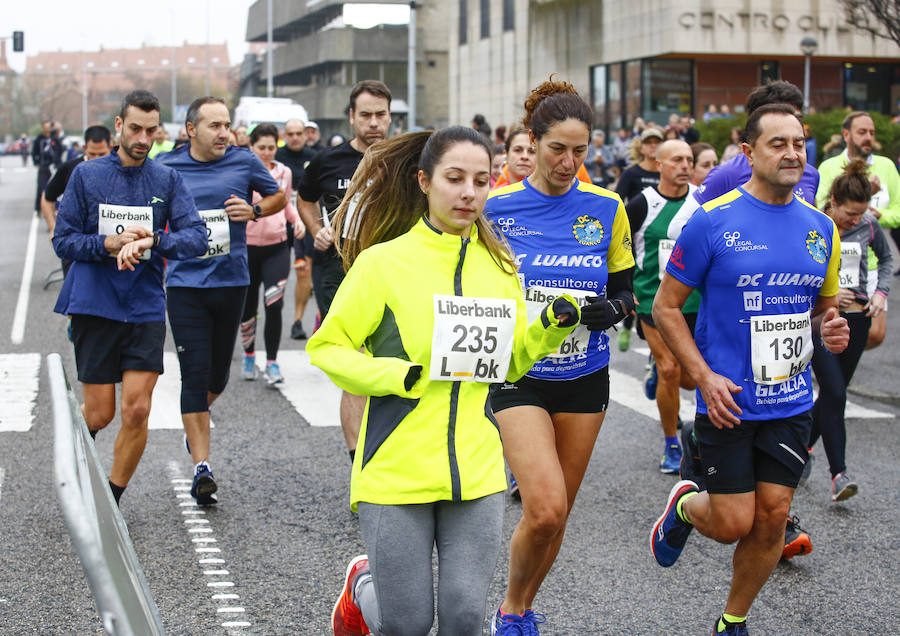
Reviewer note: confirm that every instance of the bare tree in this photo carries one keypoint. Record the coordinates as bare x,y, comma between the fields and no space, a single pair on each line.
881,18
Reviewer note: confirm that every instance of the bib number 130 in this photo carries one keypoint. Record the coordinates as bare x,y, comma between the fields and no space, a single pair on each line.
781,346
472,338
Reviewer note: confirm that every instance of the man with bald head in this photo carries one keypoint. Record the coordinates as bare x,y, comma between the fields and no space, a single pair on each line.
649,214
295,154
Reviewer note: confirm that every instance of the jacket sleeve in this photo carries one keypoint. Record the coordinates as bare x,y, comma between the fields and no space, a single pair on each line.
534,341
290,212
885,260
355,314
890,216
186,237
72,239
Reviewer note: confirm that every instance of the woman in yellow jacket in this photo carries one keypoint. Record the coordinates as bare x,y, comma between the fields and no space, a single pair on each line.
433,300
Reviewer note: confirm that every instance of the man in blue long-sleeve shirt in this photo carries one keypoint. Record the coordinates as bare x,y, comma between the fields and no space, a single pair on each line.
112,224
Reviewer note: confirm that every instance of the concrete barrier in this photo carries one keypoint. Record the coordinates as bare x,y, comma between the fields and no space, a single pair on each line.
96,526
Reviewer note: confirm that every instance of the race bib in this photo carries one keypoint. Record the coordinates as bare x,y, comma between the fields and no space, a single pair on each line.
851,253
113,219
665,251
780,346
472,339
218,233
538,297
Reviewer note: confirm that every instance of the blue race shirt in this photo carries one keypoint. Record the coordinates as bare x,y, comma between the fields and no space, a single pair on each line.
760,269
737,172
568,243
103,197
238,173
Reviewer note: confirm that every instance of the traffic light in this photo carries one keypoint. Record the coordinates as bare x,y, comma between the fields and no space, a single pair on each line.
18,41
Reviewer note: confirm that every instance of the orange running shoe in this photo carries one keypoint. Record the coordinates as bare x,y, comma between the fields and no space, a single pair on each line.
346,619
796,540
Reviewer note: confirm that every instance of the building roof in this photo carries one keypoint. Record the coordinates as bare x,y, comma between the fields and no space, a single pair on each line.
187,56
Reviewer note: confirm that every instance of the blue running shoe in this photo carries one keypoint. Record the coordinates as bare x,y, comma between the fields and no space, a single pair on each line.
670,533
651,380
671,460
248,369
204,486
273,374
514,488
731,629
515,625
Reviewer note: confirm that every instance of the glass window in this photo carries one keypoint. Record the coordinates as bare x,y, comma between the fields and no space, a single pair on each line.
632,91
485,18
598,96
509,15
614,92
870,87
667,89
463,21
768,71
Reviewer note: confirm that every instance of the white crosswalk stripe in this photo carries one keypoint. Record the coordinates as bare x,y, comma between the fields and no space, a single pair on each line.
19,384
307,388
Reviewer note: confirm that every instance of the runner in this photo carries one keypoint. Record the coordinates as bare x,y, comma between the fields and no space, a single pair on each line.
705,160
766,263
520,159
848,205
649,215
568,237
296,155
269,261
437,305
111,224
327,179
206,294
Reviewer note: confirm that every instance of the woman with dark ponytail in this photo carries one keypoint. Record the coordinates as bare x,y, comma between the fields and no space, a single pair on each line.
847,205
430,314
568,237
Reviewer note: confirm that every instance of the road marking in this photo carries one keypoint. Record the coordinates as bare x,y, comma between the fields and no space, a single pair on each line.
211,561
628,391
307,388
18,324
235,624
216,572
165,410
19,385
224,597
220,584
230,610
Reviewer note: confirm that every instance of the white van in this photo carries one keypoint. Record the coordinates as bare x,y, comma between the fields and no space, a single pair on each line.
251,111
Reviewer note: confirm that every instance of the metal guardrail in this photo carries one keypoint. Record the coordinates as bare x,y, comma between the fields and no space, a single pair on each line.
96,526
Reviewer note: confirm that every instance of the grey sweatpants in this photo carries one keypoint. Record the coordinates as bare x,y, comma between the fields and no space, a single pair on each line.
399,598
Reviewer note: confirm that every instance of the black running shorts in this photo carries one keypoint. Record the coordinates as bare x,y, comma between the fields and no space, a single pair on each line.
735,459
647,319
587,394
105,348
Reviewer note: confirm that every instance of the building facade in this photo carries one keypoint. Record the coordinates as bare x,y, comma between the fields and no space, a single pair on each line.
653,58
317,59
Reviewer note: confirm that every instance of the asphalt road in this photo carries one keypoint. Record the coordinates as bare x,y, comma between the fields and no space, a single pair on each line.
285,532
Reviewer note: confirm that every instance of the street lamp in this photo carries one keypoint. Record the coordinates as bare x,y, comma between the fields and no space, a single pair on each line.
808,45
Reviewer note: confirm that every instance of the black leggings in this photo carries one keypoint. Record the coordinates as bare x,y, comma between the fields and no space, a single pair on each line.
269,266
204,327
833,372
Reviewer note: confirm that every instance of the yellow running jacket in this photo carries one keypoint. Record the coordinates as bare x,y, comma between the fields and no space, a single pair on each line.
437,441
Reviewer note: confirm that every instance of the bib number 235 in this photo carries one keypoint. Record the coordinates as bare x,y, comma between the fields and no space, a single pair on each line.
472,338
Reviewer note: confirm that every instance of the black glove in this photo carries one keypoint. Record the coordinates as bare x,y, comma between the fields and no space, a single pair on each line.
601,313
565,312
412,376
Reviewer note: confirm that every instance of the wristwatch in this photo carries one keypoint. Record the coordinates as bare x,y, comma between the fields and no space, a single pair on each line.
257,211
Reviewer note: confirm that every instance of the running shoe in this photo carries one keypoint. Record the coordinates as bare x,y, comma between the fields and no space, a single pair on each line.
515,625
671,460
514,488
346,618
691,467
731,629
670,533
273,374
624,339
843,487
248,370
297,332
807,469
796,540
204,486
651,380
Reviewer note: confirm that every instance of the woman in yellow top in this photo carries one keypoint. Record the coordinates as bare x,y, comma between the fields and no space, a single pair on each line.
433,299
